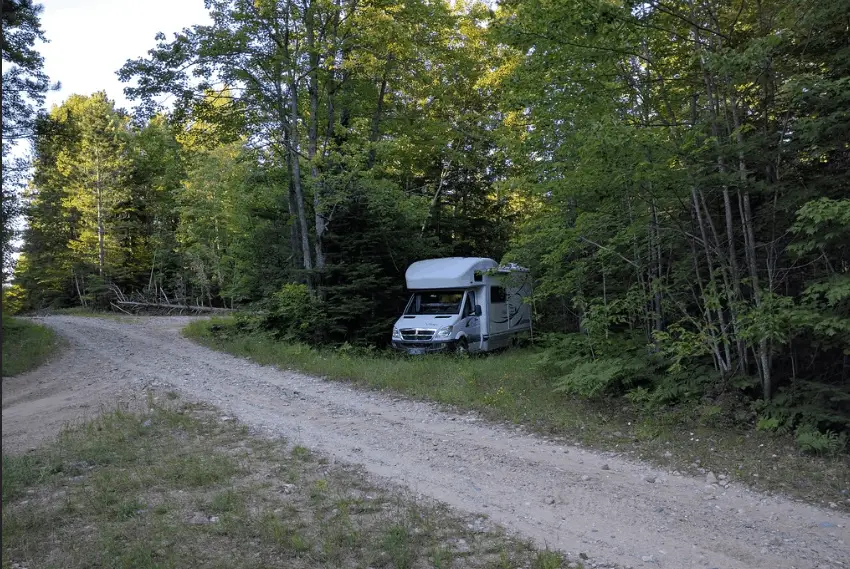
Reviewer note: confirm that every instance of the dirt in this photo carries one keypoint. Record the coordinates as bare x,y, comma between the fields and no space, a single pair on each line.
558,495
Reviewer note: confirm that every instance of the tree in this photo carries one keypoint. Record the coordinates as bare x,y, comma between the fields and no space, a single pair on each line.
671,174
24,87
315,80
81,197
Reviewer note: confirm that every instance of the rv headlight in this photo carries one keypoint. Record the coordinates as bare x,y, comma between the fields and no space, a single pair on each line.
444,332
396,333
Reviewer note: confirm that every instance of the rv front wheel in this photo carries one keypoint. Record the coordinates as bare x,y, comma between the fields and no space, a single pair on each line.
462,347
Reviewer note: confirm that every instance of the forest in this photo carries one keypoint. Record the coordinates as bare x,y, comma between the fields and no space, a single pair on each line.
675,173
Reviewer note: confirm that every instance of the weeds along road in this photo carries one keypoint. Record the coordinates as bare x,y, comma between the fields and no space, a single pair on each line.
558,495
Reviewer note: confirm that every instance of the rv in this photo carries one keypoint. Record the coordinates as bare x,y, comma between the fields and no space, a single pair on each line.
463,304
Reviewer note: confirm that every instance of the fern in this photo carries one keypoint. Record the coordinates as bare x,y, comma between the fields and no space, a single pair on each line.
810,440
768,424
592,378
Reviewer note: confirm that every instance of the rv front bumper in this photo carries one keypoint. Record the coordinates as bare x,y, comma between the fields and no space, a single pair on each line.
419,348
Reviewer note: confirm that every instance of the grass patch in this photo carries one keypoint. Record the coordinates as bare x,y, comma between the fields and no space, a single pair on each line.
508,387
25,345
178,487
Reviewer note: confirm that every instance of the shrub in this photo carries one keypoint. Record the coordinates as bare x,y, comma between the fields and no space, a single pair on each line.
294,314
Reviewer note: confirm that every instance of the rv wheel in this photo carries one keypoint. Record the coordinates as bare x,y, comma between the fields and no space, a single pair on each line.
462,347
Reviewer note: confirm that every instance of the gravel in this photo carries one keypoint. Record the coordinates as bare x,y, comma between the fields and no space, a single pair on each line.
501,474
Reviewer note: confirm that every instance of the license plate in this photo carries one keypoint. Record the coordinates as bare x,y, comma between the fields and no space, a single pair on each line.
416,351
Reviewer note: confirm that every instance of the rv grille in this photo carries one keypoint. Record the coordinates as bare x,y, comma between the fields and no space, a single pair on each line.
417,334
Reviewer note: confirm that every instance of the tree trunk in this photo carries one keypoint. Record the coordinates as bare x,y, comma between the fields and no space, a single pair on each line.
307,257
295,243
320,220
763,352
435,201
79,292
376,119
656,277
725,366
101,249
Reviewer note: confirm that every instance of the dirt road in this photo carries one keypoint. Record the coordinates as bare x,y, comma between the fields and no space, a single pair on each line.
561,496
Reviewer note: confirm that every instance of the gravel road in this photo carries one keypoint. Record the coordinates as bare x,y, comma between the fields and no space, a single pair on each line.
617,512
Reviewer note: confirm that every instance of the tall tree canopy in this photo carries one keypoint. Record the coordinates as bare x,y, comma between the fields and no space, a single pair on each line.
24,87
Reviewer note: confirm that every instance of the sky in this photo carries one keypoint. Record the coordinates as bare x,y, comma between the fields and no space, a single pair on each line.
91,39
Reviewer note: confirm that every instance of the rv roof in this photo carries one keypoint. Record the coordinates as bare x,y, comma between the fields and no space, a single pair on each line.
450,272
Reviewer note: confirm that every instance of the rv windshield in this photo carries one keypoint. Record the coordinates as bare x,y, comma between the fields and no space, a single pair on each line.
435,302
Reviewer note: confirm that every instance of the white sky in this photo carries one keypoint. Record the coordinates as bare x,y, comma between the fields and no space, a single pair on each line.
91,39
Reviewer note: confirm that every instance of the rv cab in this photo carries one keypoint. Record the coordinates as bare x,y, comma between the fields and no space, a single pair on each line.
463,304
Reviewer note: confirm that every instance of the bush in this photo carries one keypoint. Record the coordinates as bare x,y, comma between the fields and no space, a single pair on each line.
14,297
294,314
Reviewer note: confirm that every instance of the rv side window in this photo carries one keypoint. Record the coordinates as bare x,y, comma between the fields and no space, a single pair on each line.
497,295
478,277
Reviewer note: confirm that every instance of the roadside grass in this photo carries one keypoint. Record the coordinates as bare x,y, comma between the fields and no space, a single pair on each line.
25,345
181,486
507,387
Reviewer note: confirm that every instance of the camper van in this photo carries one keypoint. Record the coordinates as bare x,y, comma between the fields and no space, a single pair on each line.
463,304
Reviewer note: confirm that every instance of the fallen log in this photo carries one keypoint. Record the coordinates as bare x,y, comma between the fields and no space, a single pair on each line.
173,306
119,308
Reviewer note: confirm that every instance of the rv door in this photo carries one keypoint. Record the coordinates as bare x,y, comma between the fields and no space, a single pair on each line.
470,323
499,324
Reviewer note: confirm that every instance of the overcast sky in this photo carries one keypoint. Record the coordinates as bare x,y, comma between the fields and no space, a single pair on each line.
91,39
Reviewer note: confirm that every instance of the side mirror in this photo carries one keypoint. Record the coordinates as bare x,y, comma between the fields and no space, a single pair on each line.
478,310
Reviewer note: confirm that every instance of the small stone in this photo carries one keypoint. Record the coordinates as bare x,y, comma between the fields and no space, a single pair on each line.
585,478
147,423
668,454
710,478
213,519
648,559
199,519
288,488
606,467
550,500
676,473
650,478
775,542
723,477
572,565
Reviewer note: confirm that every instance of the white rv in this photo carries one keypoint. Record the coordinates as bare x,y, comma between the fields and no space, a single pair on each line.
463,304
